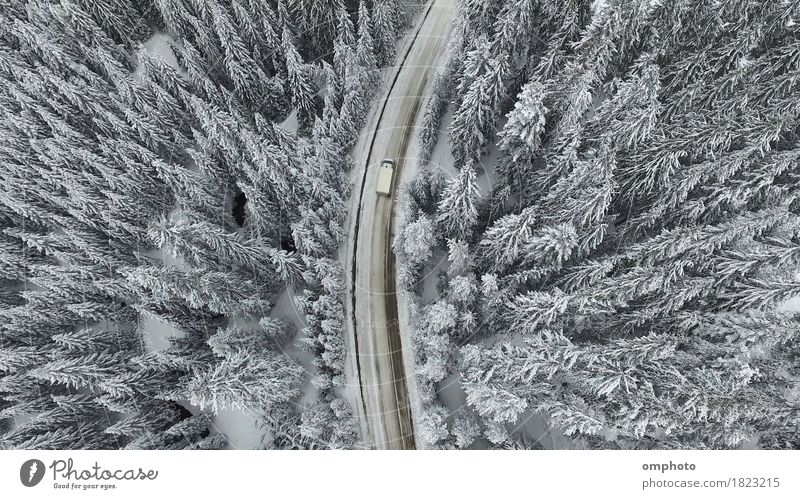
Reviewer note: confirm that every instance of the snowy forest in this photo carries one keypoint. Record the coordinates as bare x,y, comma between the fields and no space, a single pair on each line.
605,240
179,163
597,239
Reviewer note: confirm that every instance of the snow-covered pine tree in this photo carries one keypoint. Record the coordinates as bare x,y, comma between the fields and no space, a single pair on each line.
316,22
384,28
299,82
457,213
365,48
245,381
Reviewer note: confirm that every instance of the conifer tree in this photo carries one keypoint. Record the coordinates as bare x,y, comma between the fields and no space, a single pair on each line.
365,47
457,210
299,81
244,381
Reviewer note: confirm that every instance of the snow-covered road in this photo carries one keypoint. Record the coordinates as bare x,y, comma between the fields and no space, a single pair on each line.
378,373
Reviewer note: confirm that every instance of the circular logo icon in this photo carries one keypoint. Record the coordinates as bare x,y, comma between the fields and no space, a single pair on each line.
31,472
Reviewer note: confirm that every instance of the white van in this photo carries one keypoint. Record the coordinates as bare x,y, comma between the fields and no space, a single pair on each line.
385,177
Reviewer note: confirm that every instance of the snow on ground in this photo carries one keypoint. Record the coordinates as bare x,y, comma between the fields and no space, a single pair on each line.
430,277
535,427
21,419
160,44
241,429
167,257
290,123
156,333
792,305
451,395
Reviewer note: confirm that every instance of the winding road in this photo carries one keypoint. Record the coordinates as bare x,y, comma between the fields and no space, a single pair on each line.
383,406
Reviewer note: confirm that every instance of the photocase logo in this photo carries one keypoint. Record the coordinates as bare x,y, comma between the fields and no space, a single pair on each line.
31,472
